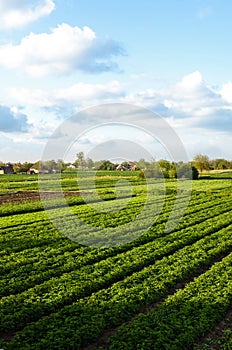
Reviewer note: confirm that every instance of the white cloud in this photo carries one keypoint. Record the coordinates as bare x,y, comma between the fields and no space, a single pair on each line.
65,49
191,82
18,13
189,106
190,103
76,95
29,97
81,91
226,92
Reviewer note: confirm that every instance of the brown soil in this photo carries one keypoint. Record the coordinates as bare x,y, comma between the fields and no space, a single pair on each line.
25,196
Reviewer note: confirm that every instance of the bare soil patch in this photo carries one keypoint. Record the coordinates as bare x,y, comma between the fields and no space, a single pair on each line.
25,196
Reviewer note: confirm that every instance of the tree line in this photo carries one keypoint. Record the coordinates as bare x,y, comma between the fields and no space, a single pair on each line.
153,168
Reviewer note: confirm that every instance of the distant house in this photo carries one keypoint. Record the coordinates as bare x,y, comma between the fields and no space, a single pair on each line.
121,167
6,169
71,166
127,166
33,171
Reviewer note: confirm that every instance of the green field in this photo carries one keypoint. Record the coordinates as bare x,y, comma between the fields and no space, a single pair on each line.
164,290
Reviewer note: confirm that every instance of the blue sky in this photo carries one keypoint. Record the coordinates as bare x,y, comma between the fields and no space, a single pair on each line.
58,57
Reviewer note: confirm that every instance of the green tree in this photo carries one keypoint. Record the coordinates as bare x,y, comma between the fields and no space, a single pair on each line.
80,161
153,170
61,166
172,172
22,167
187,171
89,163
17,167
201,162
220,164
165,167
106,165
25,167
195,173
142,164
36,165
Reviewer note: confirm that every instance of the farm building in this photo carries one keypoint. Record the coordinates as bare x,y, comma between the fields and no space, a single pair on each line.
6,169
33,171
127,166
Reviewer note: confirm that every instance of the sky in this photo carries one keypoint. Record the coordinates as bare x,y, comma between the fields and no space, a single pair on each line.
60,57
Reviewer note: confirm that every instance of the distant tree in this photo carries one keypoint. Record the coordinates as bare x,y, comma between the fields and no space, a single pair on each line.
172,172
61,166
153,170
80,161
187,171
195,173
201,162
89,163
142,164
97,164
50,166
184,171
25,167
164,167
22,167
16,167
141,174
220,164
36,165
106,165
164,164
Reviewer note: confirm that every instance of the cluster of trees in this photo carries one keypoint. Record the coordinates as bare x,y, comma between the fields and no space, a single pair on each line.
18,167
50,166
202,162
160,168
88,163
166,169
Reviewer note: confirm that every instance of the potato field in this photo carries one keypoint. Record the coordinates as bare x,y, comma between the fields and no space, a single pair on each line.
162,290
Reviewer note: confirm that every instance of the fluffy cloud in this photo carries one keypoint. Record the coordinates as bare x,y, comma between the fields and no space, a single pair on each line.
63,50
79,94
192,97
191,83
199,113
81,91
190,103
226,92
18,13
11,120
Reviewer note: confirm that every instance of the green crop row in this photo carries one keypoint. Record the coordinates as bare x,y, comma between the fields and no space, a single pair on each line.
36,230
183,317
52,294
76,325
30,206
29,274
28,269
